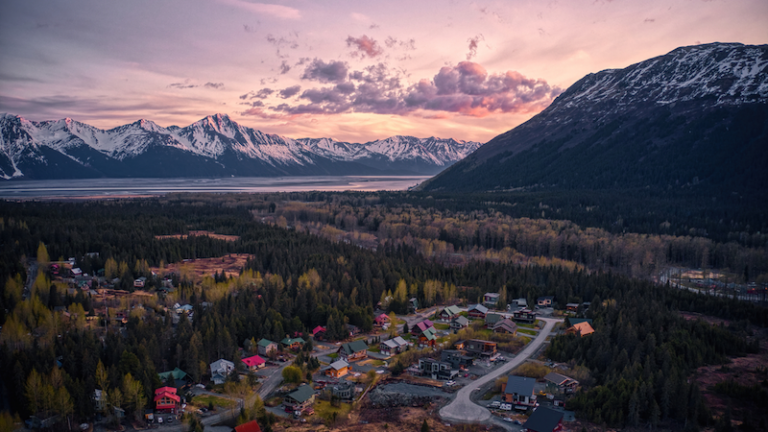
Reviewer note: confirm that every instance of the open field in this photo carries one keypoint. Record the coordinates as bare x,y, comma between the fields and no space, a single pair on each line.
200,233
205,400
197,268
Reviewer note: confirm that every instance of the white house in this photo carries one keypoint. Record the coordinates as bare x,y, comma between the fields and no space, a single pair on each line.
220,369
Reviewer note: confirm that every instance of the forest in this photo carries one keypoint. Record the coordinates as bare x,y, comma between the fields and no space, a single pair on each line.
296,280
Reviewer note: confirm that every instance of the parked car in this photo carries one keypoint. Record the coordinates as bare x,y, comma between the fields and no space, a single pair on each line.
494,404
450,383
506,407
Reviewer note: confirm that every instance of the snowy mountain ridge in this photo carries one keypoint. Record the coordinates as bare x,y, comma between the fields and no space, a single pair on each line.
216,138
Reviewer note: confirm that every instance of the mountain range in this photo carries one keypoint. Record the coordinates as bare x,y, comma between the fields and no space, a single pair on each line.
215,146
695,118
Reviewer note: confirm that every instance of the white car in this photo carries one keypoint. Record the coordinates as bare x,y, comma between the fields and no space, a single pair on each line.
494,404
450,383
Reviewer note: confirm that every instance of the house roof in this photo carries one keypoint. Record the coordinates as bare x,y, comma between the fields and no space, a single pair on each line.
317,330
493,318
291,341
354,347
506,325
574,321
400,341
302,394
424,325
254,361
429,334
452,310
478,307
461,320
221,364
519,385
265,343
382,317
339,365
177,374
583,328
492,295
556,378
251,426
543,419
168,392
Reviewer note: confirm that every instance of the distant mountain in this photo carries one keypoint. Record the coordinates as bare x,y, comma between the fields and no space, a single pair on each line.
212,147
695,118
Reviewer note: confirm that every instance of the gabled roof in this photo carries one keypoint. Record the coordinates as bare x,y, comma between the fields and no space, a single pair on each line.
382,317
574,321
452,310
479,308
221,364
583,329
339,365
168,392
400,341
429,334
519,385
291,341
354,347
461,320
251,426
424,325
254,361
543,419
506,325
493,318
556,378
177,374
302,394
265,343
317,330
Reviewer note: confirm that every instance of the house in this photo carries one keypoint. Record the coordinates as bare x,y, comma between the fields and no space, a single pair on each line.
457,358
292,343
99,400
519,391
520,302
477,311
343,390
140,282
436,369
180,378
413,305
381,320
544,301
572,307
459,322
220,369
254,362
427,338
266,346
544,419
491,319
581,329
448,313
353,351
561,382
491,299
524,315
480,348
337,369
393,346
421,327
166,400
318,332
459,345
353,330
251,426
300,398
505,326
571,321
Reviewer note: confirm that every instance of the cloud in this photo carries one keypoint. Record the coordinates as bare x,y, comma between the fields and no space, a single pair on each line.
277,11
466,88
333,71
186,85
473,42
364,46
217,86
284,68
649,20
290,91
249,28
183,85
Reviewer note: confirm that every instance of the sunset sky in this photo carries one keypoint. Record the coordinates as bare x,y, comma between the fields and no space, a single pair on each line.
350,70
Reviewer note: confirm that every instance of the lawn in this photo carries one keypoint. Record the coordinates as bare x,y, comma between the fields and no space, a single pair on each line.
375,348
206,400
333,355
528,332
442,326
325,410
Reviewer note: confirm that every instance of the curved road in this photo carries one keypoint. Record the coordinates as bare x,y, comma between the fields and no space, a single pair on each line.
463,410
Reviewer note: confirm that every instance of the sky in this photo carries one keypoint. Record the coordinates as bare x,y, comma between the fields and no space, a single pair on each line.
350,70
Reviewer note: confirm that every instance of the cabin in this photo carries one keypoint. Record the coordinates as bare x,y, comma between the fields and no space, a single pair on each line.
477,311
524,315
353,351
436,369
544,419
318,332
545,301
393,346
381,320
266,346
491,319
581,329
572,307
571,321
480,348
427,338
561,382
421,327
300,398
99,400
457,358
520,302
505,326
343,390
337,369
220,370
166,400
491,299
519,391
448,313
180,378
413,305
254,362
459,322
292,343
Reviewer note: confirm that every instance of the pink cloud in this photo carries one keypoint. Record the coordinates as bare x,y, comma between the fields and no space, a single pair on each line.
364,46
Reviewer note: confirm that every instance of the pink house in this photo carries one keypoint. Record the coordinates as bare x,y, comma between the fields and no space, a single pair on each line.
254,362
381,320
421,327
318,332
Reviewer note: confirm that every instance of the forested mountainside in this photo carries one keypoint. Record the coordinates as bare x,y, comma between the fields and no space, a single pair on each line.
694,119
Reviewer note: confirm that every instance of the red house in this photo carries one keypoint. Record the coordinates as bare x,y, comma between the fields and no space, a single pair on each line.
254,362
251,426
166,400
318,332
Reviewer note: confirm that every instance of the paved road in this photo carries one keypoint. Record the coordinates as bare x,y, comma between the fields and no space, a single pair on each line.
463,410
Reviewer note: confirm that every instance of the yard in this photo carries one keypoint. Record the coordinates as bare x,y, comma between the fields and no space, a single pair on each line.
442,326
207,400
527,331
326,411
